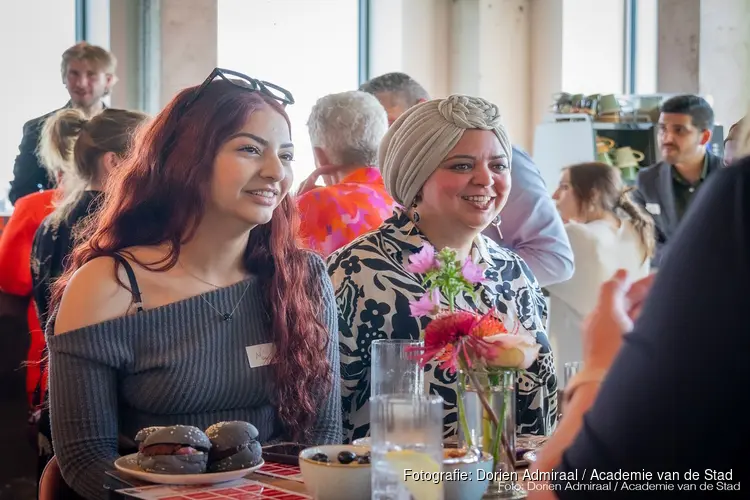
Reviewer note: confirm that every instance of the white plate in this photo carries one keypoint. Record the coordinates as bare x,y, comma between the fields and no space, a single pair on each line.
129,465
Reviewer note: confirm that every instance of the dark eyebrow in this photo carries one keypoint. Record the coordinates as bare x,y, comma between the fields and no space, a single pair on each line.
259,140
469,157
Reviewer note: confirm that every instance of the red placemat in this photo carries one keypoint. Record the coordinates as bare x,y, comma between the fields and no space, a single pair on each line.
282,471
244,489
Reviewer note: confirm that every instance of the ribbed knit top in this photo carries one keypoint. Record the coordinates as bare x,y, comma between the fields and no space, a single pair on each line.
175,364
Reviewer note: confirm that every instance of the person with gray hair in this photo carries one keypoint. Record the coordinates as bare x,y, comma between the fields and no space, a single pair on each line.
531,226
345,131
447,162
397,92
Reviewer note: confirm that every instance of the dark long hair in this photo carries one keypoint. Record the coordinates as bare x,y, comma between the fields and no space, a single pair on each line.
158,196
589,179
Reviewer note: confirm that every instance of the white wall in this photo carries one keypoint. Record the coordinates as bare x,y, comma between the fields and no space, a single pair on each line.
546,59
412,36
679,46
724,57
188,44
504,61
459,46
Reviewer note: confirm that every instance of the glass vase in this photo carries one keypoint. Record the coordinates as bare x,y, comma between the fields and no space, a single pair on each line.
487,421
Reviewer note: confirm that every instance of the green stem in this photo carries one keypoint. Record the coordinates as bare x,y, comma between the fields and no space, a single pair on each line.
462,409
499,431
488,408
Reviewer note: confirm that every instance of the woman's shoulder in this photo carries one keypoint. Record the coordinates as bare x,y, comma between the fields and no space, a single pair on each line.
365,245
93,295
581,230
509,263
585,237
497,251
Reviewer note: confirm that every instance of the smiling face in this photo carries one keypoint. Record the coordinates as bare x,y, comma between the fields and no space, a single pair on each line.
252,171
470,186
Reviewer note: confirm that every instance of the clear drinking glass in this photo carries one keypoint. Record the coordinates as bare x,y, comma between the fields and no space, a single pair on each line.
407,447
571,369
395,370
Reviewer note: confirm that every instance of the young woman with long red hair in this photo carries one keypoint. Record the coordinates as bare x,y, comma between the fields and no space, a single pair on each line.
191,302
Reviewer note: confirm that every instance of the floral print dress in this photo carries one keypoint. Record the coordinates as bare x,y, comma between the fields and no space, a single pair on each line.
373,290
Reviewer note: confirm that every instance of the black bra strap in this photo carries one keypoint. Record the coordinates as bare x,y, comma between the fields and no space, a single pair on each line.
137,301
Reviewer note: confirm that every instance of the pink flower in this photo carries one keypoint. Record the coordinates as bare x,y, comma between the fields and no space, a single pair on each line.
473,273
427,305
423,261
512,351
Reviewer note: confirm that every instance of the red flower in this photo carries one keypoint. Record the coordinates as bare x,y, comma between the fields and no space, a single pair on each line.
450,335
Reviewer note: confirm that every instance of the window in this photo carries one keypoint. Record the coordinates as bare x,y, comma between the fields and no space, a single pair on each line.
593,46
646,45
309,48
33,34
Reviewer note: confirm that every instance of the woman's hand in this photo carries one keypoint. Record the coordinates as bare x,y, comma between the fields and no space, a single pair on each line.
618,306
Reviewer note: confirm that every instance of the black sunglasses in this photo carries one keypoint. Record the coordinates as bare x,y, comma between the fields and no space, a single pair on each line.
245,82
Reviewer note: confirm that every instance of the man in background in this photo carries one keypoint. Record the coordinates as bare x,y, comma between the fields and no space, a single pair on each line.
531,226
88,72
666,189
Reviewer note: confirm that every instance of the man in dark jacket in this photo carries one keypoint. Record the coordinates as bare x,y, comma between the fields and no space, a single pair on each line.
666,189
88,72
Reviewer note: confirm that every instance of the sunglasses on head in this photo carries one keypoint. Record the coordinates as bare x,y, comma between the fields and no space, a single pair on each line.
283,96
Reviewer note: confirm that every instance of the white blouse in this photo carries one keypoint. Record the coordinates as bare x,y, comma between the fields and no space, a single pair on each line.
599,250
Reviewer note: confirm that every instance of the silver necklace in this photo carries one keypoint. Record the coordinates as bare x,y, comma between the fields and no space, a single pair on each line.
225,316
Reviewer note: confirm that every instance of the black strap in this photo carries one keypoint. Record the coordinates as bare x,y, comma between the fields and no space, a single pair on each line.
131,278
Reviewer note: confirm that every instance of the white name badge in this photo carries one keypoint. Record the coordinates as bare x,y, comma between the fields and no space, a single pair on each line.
653,208
260,355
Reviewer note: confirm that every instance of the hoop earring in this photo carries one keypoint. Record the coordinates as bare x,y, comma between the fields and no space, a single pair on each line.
415,215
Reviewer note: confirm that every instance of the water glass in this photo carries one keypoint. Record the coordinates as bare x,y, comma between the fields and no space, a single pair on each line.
394,369
407,447
571,369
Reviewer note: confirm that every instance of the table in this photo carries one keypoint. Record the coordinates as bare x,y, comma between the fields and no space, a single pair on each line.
287,484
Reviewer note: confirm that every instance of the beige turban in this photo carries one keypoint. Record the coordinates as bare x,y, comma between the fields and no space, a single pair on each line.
423,136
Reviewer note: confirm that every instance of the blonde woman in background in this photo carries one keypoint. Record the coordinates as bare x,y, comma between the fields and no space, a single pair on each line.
93,147
15,255
88,149
590,200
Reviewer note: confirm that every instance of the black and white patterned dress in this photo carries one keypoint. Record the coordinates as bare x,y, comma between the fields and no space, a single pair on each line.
373,290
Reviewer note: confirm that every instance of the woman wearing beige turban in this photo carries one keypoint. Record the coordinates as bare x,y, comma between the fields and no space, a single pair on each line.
448,162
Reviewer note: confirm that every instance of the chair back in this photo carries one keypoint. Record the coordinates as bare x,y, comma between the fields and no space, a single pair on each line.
52,486
51,481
